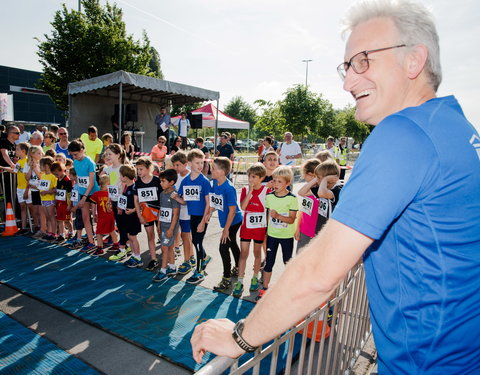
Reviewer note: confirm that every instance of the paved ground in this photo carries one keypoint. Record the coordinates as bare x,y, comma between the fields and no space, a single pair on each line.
100,349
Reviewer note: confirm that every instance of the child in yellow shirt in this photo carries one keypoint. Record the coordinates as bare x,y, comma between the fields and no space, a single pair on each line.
21,151
47,186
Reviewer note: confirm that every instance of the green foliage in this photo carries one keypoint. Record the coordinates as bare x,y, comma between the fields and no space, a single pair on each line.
154,63
177,109
241,110
89,44
270,121
351,127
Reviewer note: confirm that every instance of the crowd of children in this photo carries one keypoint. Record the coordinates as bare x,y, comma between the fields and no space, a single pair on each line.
99,210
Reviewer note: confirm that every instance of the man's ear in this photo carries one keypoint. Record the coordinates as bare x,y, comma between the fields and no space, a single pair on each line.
416,60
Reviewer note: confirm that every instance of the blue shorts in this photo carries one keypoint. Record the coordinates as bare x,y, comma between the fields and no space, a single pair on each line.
185,226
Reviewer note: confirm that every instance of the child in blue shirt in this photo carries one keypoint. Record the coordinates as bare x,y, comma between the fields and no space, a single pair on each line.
194,192
87,185
223,198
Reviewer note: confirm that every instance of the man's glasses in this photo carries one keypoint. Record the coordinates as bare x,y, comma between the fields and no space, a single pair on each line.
162,142
360,62
62,133
15,133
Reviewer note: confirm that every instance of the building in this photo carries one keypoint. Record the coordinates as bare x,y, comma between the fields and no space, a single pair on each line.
30,105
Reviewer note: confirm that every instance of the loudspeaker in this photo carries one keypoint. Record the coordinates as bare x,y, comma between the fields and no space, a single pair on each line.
117,114
131,112
196,121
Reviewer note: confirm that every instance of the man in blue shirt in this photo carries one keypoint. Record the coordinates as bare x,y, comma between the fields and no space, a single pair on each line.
163,122
225,148
412,211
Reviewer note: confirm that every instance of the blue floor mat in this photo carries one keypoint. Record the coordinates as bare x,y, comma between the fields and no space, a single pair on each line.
24,352
160,317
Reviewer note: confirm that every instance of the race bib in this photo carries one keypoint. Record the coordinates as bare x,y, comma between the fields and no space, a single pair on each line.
166,215
255,220
113,192
191,193
43,185
276,223
17,168
122,202
306,205
74,196
61,195
148,194
216,201
323,205
83,182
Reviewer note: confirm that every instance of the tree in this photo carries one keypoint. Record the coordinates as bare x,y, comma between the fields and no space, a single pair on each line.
238,108
177,109
270,121
154,63
89,44
302,111
352,128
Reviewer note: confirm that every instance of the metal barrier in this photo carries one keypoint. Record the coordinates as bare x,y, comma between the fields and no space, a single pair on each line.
327,346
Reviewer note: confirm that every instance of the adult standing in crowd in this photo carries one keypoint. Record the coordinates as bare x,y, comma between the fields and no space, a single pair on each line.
183,127
412,211
233,140
330,147
289,150
267,146
126,142
224,148
342,151
159,151
36,139
24,136
163,123
62,145
93,144
8,160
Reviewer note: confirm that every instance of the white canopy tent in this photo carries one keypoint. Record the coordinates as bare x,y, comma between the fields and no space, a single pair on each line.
92,101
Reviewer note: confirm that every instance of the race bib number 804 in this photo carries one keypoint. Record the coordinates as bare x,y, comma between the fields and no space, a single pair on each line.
191,193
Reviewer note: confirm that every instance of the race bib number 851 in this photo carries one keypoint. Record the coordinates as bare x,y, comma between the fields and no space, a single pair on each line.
147,194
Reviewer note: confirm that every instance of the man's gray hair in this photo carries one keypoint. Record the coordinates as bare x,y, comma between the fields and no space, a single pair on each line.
415,25
37,134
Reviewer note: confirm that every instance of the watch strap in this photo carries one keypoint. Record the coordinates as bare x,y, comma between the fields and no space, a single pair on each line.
237,336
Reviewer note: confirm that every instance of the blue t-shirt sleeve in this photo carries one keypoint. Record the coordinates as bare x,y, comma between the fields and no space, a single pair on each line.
393,168
231,196
180,189
206,187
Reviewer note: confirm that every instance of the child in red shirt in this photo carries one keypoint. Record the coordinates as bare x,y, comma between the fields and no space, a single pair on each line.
104,217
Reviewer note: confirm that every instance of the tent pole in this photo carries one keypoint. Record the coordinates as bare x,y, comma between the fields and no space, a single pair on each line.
120,111
216,132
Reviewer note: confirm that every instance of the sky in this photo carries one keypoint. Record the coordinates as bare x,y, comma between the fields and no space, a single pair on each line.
254,49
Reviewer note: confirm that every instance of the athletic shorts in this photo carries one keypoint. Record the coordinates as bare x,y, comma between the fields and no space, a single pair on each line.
185,226
165,241
79,225
105,224
20,199
129,224
48,203
63,214
150,223
88,200
36,201
249,239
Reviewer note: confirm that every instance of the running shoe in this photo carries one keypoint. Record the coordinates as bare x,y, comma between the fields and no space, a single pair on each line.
119,255
39,234
134,263
88,248
22,232
99,252
193,261
234,272
196,278
160,276
71,241
59,240
184,268
152,265
171,272
254,285
48,237
237,289
115,247
223,285
205,262
261,293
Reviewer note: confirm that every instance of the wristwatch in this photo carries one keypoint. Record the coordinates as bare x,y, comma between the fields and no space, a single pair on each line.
237,336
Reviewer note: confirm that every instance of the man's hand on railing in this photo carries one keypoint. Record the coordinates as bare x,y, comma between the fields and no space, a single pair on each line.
215,335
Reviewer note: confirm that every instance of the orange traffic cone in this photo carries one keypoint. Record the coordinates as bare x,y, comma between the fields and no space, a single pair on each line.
10,223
